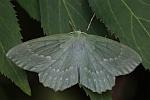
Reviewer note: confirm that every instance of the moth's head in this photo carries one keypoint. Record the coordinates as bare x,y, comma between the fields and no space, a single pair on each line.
79,34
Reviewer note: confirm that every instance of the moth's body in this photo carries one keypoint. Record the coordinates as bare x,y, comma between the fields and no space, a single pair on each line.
78,48
64,60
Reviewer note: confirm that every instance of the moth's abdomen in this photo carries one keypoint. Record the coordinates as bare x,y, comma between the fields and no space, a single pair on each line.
78,50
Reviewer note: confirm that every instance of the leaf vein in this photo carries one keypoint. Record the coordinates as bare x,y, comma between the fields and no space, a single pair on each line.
136,17
144,3
11,65
70,14
117,21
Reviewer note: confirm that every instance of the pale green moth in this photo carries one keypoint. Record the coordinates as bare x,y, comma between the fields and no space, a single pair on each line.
63,60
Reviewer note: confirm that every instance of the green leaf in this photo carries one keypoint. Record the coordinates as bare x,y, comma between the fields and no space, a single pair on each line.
95,96
129,20
9,37
31,7
56,14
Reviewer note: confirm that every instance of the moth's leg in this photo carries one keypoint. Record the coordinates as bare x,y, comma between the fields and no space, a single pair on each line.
84,33
71,32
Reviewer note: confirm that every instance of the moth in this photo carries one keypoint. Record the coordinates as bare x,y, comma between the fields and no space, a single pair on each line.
63,60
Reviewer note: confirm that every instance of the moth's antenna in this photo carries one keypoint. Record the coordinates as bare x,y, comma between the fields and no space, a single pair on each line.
72,25
90,22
